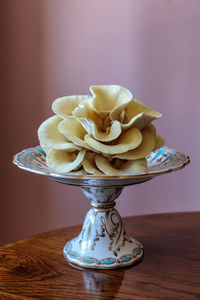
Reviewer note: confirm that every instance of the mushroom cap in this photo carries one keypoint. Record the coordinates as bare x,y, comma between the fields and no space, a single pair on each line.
147,145
128,140
89,164
110,100
128,167
64,162
50,137
64,106
72,129
139,115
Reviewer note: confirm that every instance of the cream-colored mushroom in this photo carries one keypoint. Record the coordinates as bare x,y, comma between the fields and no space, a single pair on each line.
159,142
85,111
128,140
65,106
45,148
138,115
89,164
64,162
94,125
50,137
111,134
147,145
150,127
109,122
110,100
72,129
129,167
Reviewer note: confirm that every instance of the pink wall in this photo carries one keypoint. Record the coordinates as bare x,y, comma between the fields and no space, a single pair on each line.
53,48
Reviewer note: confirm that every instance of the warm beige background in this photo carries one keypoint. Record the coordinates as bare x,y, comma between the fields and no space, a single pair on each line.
52,48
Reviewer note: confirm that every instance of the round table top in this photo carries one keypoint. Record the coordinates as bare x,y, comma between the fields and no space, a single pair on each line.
35,267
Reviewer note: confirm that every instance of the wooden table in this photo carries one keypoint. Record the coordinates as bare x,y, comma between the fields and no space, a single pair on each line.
35,268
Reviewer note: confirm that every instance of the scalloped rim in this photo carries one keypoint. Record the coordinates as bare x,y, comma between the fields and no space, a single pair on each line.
73,176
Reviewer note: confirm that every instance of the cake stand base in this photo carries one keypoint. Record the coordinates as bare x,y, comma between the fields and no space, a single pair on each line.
103,242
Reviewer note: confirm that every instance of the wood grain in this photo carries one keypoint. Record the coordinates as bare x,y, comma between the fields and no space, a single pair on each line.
35,268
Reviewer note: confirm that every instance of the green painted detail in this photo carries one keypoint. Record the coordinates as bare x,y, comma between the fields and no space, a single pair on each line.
41,151
138,252
109,262
126,258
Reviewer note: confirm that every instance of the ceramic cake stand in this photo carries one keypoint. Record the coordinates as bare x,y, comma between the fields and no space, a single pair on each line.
103,242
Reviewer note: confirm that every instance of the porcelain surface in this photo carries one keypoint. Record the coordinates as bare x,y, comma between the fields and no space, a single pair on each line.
159,162
103,242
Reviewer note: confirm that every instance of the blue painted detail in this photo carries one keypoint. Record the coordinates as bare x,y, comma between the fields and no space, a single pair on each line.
88,261
160,151
109,262
138,252
72,254
66,248
126,258
42,151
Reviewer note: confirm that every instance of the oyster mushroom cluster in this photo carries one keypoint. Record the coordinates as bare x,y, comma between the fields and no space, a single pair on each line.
107,132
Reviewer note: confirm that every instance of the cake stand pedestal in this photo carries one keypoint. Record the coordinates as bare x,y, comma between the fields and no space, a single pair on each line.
103,242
